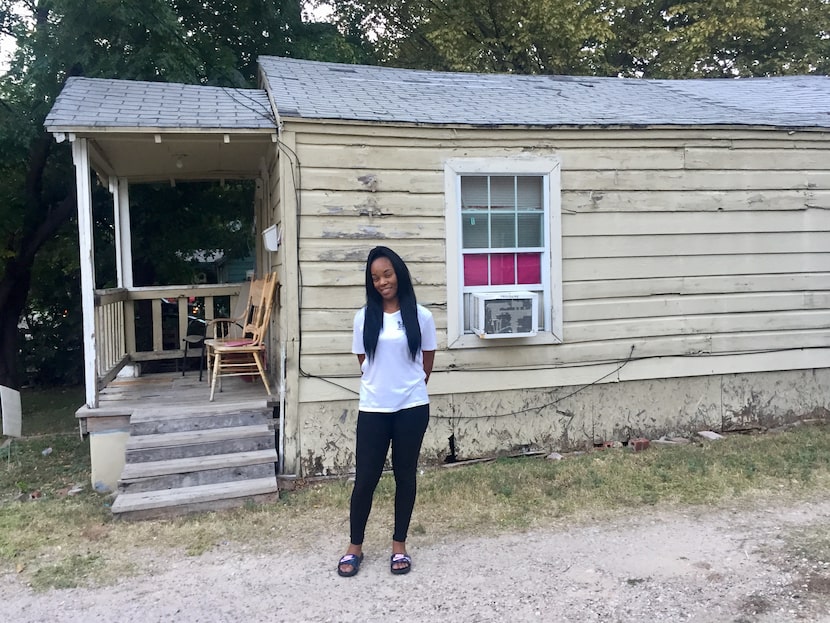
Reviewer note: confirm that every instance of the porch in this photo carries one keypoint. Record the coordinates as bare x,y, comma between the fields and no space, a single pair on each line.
158,441
149,325
155,436
142,416
171,391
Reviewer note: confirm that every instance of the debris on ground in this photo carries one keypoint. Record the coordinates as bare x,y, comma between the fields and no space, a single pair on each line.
638,444
671,441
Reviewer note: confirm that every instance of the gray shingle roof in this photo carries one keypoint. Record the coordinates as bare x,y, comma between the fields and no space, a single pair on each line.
317,90
99,103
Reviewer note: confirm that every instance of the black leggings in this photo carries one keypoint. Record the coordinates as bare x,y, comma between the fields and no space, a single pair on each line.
405,429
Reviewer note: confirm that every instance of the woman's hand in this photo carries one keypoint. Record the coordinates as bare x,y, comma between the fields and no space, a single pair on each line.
429,359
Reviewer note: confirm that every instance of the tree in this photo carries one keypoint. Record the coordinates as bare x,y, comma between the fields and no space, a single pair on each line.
191,41
734,38
651,38
545,36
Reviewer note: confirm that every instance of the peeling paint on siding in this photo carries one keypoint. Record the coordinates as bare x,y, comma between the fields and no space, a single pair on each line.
343,255
370,208
363,232
369,182
555,419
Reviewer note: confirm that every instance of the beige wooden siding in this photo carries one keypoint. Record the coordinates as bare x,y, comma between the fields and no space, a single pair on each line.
274,217
677,243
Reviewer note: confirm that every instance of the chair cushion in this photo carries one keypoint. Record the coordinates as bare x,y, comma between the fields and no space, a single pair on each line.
237,343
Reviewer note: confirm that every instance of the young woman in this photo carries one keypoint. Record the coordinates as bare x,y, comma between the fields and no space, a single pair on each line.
394,340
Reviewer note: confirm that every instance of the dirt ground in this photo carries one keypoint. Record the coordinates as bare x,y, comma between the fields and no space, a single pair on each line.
734,564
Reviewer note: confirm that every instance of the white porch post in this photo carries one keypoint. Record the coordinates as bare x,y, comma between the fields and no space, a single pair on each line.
123,236
80,156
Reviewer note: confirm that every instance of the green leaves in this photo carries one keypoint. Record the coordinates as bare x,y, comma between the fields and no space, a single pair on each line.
652,38
747,38
212,42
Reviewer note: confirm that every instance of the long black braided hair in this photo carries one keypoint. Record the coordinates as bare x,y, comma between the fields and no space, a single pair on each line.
373,322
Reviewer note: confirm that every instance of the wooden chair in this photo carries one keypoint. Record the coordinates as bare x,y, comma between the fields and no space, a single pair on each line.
231,327
226,328
195,338
242,355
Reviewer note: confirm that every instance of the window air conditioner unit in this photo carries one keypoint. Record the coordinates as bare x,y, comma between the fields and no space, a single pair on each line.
505,314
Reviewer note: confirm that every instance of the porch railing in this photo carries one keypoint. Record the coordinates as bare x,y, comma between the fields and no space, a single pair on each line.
111,349
149,323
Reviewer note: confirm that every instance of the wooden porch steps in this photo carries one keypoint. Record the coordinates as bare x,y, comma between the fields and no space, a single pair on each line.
217,496
181,459
138,471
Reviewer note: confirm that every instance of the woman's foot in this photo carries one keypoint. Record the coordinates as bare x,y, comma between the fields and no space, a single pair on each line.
400,562
349,563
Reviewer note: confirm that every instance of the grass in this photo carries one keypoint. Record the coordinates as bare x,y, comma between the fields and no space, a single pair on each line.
51,411
63,540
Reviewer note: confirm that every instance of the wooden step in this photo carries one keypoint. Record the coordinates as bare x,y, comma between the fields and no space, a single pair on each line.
190,437
147,469
202,477
175,412
183,444
191,499
154,423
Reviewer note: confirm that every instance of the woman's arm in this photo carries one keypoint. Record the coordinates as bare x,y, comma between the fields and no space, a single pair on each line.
361,359
429,359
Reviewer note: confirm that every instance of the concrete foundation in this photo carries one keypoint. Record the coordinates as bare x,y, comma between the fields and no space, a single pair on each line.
107,455
567,418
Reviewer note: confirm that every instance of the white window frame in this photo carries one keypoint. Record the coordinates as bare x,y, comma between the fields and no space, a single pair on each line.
550,309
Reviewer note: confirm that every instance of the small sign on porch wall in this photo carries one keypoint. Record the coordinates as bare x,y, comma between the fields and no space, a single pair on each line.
11,412
271,238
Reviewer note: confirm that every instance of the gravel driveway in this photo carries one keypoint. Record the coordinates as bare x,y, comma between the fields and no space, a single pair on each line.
694,565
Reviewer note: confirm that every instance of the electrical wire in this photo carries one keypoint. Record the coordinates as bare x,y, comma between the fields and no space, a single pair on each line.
236,94
625,362
294,160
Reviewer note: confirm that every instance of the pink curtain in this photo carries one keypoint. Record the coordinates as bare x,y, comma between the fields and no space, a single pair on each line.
505,269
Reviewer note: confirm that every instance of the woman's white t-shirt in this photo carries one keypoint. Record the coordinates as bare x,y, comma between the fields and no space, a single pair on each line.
393,380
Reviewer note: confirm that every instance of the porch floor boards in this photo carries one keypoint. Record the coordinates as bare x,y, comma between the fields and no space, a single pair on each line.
123,396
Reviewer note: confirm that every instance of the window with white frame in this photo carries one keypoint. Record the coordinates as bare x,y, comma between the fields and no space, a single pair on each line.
503,237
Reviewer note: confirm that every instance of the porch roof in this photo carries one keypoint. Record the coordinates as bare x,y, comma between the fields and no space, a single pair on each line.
153,131
86,103
318,90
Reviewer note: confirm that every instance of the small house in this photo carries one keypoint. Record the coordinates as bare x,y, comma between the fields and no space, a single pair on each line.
605,258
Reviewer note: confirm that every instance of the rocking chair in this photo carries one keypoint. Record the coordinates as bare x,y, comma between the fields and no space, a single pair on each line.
242,355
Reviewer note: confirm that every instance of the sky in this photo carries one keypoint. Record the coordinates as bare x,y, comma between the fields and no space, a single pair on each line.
6,48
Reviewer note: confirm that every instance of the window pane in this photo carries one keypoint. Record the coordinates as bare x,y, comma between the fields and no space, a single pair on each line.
502,269
503,231
474,192
529,193
475,234
475,270
474,230
503,193
530,229
529,268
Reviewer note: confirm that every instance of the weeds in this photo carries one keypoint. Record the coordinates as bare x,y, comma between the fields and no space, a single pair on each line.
52,411
59,540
